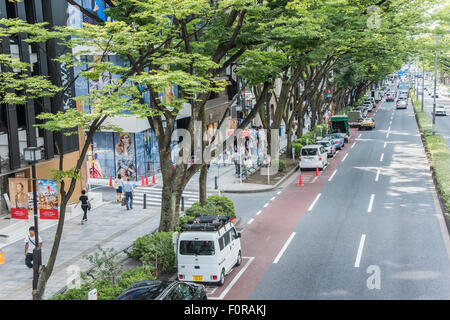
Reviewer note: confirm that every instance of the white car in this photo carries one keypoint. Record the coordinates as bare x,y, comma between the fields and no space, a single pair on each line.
313,156
440,111
208,248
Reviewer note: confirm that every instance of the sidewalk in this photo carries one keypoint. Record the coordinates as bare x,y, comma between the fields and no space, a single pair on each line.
109,226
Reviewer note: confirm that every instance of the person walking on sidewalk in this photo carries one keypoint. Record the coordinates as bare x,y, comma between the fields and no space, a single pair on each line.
84,205
118,185
30,244
128,188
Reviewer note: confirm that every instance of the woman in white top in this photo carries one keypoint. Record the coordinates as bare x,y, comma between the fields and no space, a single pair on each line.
118,185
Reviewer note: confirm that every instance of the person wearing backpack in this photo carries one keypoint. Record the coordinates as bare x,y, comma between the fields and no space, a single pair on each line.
30,244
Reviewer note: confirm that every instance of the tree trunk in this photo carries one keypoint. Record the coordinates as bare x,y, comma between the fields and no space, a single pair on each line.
203,183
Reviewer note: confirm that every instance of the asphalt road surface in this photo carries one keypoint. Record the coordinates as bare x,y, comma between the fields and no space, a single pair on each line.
369,228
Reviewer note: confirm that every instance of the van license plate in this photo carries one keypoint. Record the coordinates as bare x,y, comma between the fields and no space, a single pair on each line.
198,278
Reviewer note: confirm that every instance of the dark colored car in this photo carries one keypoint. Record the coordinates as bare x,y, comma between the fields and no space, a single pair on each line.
164,290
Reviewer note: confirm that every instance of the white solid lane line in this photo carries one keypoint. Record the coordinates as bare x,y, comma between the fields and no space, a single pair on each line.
345,157
315,200
382,156
331,178
378,175
284,248
224,293
258,212
360,250
369,209
250,221
353,145
385,144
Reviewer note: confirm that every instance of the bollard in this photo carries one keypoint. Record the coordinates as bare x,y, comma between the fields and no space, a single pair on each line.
216,186
182,203
145,201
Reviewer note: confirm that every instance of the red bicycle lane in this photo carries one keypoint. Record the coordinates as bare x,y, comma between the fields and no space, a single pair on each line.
267,234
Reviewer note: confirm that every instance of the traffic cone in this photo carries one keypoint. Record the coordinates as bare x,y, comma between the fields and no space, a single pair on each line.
110,181
153,179
317,171
300,181
191,162
175,167
142,183
146,180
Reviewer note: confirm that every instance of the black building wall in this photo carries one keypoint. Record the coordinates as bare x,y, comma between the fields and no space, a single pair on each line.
12,117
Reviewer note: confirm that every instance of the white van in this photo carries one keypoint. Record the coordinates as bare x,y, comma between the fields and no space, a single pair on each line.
313,156
208,248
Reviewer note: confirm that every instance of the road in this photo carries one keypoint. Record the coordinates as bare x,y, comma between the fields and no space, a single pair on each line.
442,123
370,230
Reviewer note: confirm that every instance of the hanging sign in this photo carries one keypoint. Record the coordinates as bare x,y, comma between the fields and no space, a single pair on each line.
48,199
18,195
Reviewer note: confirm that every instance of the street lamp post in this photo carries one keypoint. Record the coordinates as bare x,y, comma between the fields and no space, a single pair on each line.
31,156
423,76
435,83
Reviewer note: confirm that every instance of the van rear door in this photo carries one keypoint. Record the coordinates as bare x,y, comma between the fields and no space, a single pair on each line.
198,259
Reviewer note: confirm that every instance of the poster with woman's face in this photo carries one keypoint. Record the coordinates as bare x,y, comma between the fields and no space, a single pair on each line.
125,154
18,196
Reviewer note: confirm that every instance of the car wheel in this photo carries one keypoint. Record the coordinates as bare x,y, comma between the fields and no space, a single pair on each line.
222,278
239,259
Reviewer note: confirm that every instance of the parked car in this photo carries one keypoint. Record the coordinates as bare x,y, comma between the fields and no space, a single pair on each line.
402,104
313,156
367,123
337,140
433,95
402,97
440,111
329,146
363,110
369,105
164,290
208,248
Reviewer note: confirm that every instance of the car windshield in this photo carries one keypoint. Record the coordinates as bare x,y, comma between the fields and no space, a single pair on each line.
309,152
196,247
324,143
150,292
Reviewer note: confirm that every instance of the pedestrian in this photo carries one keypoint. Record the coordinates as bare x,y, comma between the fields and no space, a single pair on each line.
236,162
128,188
84,200
118,185
30,245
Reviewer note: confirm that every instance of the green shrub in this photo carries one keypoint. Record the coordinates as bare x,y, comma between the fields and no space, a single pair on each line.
215,205
106,290
155,250
281,165
298,148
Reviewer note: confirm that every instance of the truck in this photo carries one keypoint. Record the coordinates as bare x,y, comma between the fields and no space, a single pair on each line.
378,95
354,118
339,124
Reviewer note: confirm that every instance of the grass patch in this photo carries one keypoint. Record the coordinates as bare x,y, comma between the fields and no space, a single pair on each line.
438,151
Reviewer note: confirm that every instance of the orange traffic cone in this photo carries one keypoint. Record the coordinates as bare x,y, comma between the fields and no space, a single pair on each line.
317,171
191,162
143,183
300,181
110,181
175,167
153,179
146,180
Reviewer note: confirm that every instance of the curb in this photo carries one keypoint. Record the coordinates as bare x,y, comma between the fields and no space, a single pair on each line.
288,175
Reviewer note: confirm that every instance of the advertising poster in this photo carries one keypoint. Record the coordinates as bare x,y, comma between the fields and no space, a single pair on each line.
124,150
48,199
100,156
18,195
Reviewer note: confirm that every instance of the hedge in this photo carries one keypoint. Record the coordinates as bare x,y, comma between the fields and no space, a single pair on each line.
155,250
105,289
215,205
438,151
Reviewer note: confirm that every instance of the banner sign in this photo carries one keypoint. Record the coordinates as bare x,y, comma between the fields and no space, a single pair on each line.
48,199
18,195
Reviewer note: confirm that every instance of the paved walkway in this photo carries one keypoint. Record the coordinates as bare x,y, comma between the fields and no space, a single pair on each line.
109,226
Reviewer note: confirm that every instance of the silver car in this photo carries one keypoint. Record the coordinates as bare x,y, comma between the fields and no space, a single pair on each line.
329,146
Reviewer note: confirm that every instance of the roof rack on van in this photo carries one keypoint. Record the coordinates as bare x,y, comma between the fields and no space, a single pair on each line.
206,223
